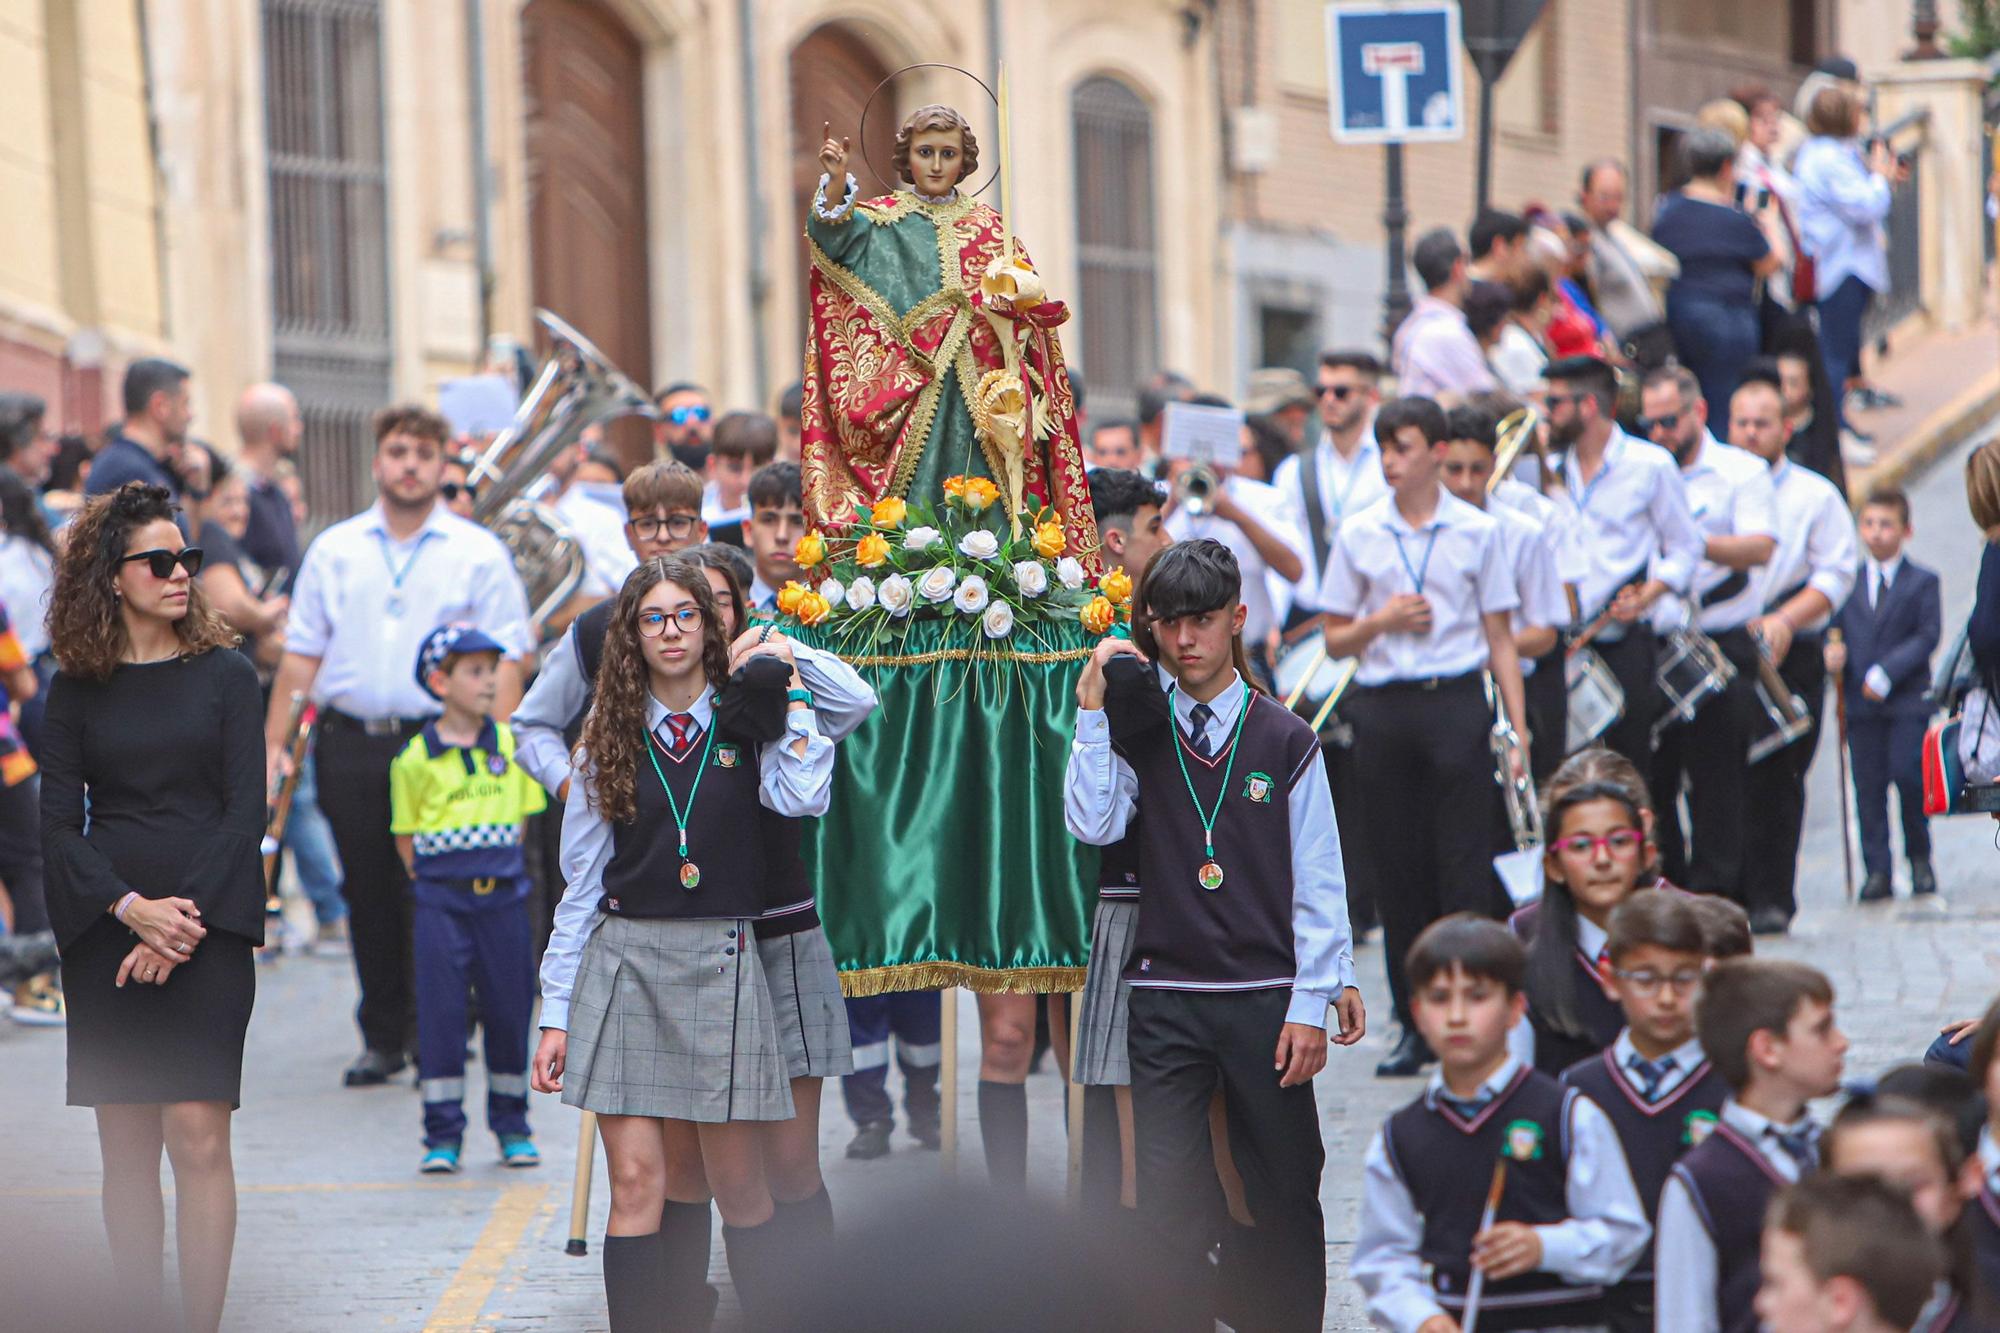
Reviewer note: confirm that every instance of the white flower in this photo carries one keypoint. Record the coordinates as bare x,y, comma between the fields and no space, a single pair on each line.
937,584
1069,573
918,539
861,593
832,591
998,622
971,595
1033,577
896,595
979,544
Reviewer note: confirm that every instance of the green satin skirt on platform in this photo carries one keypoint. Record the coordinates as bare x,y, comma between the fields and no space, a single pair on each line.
943,860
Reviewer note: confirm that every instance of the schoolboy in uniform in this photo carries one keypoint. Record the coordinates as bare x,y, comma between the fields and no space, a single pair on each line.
777,521
1889,628
1846,1254
1662,1094
1768,1026
1569,1222
457,799
1242,953
742,443
1419,589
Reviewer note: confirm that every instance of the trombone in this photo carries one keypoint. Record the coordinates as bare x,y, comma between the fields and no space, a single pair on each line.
1510,757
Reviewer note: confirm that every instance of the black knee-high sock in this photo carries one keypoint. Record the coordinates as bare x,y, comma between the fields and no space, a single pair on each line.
806,1222
757,1259
634,1285
1003,1128
686,1233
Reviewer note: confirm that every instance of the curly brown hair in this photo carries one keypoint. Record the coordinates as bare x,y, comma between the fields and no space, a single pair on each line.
935,117
86,631
614,734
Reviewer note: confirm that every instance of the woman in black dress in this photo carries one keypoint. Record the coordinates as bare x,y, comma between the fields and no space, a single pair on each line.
159,902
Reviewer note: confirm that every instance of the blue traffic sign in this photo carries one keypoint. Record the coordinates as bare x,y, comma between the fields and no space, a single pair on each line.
1393,71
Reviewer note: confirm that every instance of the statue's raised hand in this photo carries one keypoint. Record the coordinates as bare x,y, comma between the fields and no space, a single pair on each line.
833,154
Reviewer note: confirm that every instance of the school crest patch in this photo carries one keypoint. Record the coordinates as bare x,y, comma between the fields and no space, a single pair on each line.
1697,1127
1522,1141
727,756
1257,787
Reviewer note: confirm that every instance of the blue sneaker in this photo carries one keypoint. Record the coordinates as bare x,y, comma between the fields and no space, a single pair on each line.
440,1161
518,1150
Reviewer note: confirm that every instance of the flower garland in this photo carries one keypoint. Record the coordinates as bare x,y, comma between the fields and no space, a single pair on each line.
909,562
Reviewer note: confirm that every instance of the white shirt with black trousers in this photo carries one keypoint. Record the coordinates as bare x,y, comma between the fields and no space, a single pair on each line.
1420,713
1233,941
363,604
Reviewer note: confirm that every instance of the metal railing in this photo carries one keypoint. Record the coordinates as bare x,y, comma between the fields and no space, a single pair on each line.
1905,227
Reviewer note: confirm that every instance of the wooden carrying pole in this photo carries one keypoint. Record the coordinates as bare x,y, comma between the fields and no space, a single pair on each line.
1073,1001
579,1192
948,1078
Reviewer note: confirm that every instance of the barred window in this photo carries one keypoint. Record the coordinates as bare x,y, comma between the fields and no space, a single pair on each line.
1117,259
323,146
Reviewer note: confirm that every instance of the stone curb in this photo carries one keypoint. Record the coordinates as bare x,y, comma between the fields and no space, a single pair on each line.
1935,435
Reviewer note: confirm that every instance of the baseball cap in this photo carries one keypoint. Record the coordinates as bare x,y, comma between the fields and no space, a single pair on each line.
447,641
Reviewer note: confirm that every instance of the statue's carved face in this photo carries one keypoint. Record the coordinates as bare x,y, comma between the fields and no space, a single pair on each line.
936,159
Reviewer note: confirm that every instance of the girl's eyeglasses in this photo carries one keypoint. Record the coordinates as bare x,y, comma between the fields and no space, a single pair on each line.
652,624
1618,842
161,562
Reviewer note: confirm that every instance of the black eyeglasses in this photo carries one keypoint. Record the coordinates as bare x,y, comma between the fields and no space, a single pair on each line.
160,563
1647,425
1340,391
675,526
451,490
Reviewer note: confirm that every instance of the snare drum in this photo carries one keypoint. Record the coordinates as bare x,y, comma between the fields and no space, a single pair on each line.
1778,722
1596,699
1692,671
1307,676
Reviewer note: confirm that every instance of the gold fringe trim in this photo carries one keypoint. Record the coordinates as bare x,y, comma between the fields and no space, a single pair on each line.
866,981
963,655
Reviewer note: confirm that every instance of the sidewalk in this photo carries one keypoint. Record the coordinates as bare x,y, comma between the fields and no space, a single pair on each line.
1950,387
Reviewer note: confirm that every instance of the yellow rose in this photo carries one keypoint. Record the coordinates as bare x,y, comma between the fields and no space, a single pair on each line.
1117,585
889,512
790,596
954,486
810,551
872,550
980,493
1048,541
813,608
1097,615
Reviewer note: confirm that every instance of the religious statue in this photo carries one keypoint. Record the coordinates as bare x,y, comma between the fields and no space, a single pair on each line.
932,350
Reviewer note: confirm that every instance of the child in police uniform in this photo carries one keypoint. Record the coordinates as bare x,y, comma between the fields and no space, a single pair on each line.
1568,1223
457,799
1241,957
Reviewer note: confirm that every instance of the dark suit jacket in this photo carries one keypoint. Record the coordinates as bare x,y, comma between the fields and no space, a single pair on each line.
1900,635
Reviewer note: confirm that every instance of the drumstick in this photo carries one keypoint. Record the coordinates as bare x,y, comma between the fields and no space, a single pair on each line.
1477,1287
579,1194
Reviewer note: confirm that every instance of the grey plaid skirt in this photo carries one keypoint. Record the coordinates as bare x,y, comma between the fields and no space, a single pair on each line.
805,996
1107,997
672,1019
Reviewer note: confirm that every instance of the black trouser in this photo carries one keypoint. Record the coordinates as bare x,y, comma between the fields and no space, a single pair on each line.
21,854
354,795
1548,715
1184,1045
1776,790
1632,660
1344,780
1431,805
1710,754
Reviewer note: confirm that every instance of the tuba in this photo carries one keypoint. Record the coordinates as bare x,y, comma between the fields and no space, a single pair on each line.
575,390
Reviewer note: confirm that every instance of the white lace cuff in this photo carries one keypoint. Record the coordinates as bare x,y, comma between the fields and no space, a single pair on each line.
846,206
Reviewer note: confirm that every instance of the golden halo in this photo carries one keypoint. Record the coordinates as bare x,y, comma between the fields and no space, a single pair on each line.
862,132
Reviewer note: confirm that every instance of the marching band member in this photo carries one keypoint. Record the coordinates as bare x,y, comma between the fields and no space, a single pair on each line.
1420,588
1812,573
1341,472
1729,493
1629,512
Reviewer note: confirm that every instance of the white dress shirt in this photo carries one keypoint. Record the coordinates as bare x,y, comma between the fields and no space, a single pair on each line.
1684,1261
763,597
1877,578
1457,561
841,702
796,786
1268,506
1530,552
27,576
1346,486
1687,1058
1633,515
1729,494
1605,1232
364,602
1101,794
1816,543
1590,941
597,519
714,513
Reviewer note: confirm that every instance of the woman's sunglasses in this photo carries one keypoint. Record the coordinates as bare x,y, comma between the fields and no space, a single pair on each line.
161,562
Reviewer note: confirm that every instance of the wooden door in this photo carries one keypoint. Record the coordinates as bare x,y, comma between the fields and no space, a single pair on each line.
833,71
587,184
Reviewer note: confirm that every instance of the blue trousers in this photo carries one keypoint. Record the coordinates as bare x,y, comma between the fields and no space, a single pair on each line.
1889,750
1840,313
911,1018
1715,339
459,936
310,839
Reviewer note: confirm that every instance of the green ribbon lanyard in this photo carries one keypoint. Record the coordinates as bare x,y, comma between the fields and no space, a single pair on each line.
681,817
1209,817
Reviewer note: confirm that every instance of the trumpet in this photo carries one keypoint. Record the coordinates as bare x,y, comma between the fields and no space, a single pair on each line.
278,797
1524,811
1194,489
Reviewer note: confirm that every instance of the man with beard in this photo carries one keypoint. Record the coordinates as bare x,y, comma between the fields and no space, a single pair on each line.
370,590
